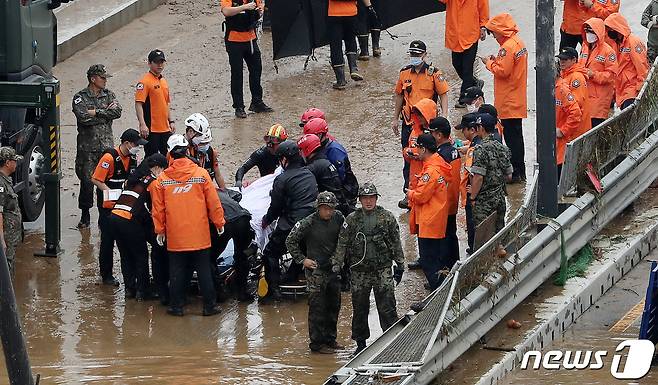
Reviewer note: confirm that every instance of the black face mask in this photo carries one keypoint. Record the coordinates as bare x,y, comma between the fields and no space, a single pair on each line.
614,35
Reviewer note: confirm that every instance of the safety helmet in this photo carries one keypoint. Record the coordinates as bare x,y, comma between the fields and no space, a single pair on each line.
205,137
327,198
176,140
317,126
275,134
368,189
198,123
310,114
308,143
287,149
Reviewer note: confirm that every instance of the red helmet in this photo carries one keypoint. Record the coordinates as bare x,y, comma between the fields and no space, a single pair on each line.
308,143
317,126
310,114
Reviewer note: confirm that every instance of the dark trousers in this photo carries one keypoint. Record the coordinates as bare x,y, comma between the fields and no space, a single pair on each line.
364,23
341,29
157,142
463,63
131,241
513,134
323,307
626,103
434,257
159,268
451,236
242,234
567,40
181,266
597,121
106,251
249,53
470,223
85,164
405,132
272,254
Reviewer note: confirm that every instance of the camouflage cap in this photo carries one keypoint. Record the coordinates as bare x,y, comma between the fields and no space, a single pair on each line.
368,188
8,153
98,69
327,198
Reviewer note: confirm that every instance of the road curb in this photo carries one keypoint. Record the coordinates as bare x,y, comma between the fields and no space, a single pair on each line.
575,305
104,25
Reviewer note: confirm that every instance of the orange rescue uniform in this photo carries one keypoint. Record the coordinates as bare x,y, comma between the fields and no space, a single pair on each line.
568,117
601,59
604,8
241,36
342,8
510,69
429,200
105,170
574,15
464,18
576,79
184,199
427,108
153,91
414,86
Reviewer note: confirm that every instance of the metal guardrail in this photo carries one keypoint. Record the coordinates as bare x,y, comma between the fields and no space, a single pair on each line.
605,145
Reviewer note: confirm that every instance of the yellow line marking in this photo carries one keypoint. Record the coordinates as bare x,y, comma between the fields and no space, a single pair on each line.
627,320
57,101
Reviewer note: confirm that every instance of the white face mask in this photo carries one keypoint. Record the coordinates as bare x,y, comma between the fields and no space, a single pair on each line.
196,140
133,150
591,37
471,108
204,147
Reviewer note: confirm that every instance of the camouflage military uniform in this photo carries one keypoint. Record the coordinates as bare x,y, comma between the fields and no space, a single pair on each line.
11,212
370,243
319,237
94,133
491,159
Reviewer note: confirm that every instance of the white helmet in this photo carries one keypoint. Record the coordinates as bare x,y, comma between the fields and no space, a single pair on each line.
198,123
176,140
205,137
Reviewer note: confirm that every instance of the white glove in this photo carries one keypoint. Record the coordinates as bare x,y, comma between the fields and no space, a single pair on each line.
160,239
221,231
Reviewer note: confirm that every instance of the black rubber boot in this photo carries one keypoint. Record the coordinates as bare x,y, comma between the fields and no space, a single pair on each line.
341,83
354,69
360,345
376,49
364,55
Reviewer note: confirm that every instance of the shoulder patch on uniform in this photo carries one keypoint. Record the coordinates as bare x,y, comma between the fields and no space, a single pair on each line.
575,83
344,224
502,52
523,51
639,48
612,57
139,86
440,180
77,100
105,165
570,98
425,178
297,225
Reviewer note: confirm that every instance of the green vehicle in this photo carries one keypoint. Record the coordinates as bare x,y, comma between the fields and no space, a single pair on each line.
28,53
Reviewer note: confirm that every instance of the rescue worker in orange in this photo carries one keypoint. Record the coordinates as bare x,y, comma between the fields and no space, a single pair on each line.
441,130
421,114
417,81
600,62
184,198
342,26
510,70
429,211
631,58
465,20
568,118
242,46
574,76
152,105
110,174
576,12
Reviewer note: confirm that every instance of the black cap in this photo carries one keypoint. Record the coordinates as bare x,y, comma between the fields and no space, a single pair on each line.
466,120
488,109
156,55
441,125
470,94
417,47
568,53
426,141
131,135
485,120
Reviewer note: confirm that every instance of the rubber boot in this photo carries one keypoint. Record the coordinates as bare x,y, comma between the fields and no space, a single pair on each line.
354,69
364,55
340,84
376,49
360,345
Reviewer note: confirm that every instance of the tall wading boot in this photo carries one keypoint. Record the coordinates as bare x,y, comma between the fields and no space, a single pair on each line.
376,49
354,69
341,83
363,47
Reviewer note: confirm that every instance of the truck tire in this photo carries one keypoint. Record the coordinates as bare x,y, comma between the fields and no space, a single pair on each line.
31,198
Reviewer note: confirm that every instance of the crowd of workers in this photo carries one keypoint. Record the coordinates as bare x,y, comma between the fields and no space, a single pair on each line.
176,207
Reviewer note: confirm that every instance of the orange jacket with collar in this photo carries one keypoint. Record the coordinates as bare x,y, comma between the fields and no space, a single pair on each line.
510,69
601,59
632,58
576,79
464,18
427,108
574,15
429,200
568,117
184,201
604,8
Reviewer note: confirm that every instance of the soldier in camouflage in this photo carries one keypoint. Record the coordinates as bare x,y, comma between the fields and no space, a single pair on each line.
491,169
11,233
95,107
317,234
369,243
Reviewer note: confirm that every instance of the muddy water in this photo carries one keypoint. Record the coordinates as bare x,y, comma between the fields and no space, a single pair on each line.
80,332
